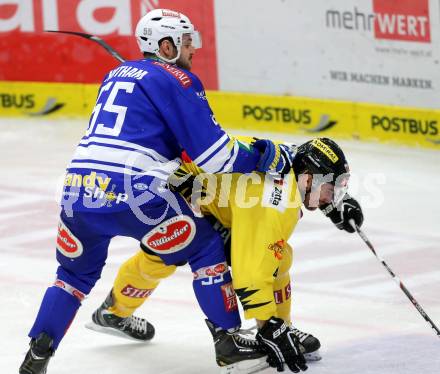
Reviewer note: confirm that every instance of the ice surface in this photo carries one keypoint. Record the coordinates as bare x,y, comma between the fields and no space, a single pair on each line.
341,292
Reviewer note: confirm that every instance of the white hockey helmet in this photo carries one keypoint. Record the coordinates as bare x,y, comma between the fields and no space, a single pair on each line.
163,23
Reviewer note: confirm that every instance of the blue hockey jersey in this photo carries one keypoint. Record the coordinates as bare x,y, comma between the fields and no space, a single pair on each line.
146,113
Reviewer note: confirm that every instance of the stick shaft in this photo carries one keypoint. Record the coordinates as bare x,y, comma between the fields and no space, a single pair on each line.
397,280
94,38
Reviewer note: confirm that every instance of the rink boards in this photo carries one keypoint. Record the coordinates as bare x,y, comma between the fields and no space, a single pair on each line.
262,113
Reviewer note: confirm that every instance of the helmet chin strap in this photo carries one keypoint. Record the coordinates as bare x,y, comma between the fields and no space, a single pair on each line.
169,61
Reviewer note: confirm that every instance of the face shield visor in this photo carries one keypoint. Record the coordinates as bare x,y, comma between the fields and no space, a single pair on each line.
186,40
193,39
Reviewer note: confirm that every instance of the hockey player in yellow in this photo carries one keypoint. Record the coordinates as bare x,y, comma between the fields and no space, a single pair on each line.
260,255
259,212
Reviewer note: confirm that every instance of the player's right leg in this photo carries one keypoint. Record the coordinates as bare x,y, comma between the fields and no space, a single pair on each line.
81,254
212,283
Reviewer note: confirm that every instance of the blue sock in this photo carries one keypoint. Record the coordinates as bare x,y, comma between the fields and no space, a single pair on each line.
217,299
56,313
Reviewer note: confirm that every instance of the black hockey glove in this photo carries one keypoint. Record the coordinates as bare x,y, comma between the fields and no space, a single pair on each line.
342,213
281,346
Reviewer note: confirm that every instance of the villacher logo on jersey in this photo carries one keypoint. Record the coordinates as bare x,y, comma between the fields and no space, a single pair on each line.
404,20
171,235
67,243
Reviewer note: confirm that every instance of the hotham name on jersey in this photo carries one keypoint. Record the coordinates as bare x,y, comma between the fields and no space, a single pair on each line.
127,72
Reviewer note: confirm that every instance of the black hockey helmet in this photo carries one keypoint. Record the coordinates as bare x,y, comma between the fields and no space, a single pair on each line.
322,156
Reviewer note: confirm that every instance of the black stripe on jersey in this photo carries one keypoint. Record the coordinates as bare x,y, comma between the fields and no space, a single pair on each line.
253,306
244,293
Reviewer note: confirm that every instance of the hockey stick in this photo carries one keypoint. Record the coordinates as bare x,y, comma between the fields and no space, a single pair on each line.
396,279
94,38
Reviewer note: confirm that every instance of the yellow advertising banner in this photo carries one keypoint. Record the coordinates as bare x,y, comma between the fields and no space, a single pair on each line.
409,126
318,117
34,99
283,114
262,113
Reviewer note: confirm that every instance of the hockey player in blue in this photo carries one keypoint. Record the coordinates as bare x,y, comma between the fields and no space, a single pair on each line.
146,113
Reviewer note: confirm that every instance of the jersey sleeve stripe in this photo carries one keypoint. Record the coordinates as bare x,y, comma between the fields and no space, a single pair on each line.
214,154
212,149
218,161
229,165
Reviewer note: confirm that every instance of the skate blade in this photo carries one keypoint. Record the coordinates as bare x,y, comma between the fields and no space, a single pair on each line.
111,331
246,366
313,356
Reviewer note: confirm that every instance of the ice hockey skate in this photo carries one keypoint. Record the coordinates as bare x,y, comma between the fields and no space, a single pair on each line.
235,352
134,328
309,345
38,356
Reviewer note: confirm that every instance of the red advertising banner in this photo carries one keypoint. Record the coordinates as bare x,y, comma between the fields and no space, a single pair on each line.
27,53
402,20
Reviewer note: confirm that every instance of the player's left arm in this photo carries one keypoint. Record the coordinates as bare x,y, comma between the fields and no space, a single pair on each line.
191,120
